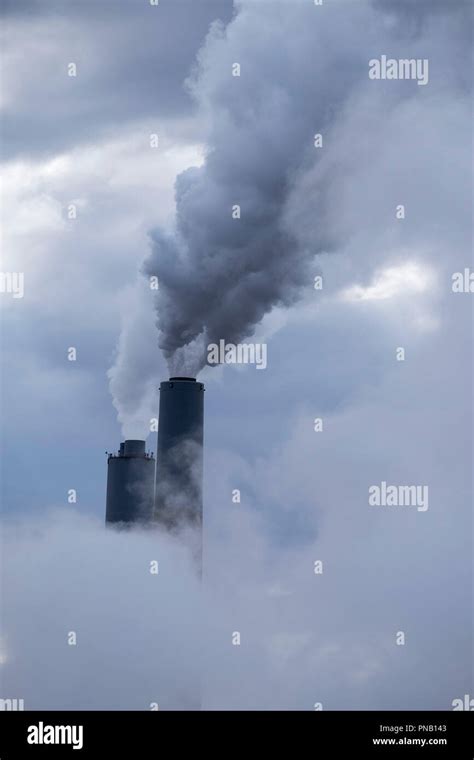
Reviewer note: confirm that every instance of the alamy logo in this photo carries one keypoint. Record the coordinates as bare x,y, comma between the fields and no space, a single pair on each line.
240,353
42,734
463,704
402,68
399,496
463,282
13,283
12,704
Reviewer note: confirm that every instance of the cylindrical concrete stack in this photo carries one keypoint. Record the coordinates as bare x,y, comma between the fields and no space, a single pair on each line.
179,470
130,484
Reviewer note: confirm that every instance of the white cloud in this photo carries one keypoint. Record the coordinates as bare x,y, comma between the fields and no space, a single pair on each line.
393,282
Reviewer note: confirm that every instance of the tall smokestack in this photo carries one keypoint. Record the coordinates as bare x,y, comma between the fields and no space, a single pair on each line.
130,475
179,470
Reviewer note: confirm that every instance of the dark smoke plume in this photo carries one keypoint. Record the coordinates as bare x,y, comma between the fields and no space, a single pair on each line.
220,274
303,68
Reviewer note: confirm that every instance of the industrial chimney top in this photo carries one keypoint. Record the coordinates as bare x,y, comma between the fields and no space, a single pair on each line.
189,379
131,448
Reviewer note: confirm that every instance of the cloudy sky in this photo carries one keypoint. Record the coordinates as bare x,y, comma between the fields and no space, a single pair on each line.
90,208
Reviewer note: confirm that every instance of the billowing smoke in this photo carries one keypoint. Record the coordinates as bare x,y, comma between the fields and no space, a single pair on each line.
133,377
232,256
278,75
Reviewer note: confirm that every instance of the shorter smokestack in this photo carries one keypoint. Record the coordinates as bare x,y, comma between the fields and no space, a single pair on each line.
130,484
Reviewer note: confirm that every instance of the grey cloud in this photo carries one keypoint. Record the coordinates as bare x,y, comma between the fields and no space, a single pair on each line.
131,60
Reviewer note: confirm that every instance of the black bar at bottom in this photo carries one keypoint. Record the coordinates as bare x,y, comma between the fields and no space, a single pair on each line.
142,734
